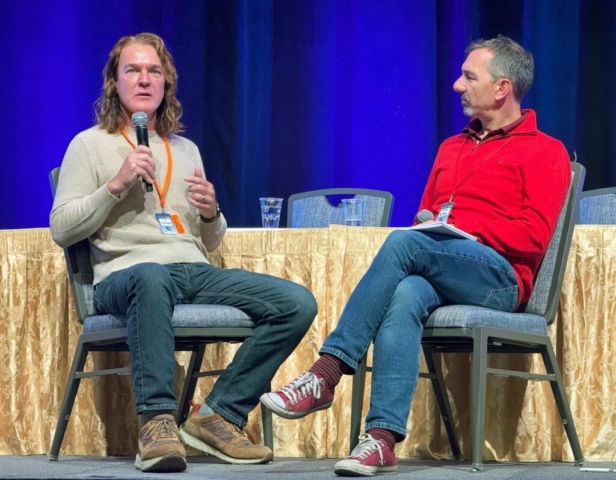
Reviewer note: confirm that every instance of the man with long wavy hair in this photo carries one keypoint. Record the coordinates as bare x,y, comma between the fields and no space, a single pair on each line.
149,253
110,113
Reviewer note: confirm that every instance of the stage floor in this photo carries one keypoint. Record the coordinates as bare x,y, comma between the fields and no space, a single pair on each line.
75,467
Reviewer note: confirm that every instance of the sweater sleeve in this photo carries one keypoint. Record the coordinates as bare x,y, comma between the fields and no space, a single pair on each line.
211,233
80,205
546,179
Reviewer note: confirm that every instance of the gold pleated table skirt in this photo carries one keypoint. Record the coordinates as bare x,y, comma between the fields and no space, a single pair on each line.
39,331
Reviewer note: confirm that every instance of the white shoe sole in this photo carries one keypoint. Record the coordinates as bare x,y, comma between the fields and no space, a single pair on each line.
188,439
281,412
345,468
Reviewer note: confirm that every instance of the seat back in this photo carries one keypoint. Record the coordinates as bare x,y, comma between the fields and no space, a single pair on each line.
598,207
549,279
80,272
313,209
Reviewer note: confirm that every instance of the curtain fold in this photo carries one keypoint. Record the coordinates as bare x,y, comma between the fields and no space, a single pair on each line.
283,97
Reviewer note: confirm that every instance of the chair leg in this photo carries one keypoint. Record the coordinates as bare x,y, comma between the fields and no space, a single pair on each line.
478,407
433,362
357,401
190,384
70,393
268,428
560,396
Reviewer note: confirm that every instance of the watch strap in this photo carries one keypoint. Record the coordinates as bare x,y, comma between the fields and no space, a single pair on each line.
214,218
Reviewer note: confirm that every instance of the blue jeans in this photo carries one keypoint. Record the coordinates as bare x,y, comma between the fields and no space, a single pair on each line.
412,274
147,293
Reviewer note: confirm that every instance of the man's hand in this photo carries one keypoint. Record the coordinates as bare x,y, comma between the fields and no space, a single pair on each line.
201,194
137,164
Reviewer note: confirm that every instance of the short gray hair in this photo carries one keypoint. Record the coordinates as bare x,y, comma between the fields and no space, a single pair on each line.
510,61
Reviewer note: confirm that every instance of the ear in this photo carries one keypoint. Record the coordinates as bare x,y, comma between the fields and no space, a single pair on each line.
503,88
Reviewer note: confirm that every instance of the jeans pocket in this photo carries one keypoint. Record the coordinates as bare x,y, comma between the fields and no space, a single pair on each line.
503,299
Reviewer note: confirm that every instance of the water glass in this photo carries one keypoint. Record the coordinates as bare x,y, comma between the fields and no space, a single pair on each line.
353,209
270,211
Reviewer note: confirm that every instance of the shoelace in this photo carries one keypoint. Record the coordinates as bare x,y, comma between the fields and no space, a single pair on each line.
301,386
164,429
241,432
367,445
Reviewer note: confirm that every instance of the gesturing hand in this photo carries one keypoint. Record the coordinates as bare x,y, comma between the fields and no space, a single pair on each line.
201,194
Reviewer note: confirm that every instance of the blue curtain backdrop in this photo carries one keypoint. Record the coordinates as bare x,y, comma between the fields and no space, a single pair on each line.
286,96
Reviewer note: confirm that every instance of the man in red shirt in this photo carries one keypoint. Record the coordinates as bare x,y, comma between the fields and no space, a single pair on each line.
500,180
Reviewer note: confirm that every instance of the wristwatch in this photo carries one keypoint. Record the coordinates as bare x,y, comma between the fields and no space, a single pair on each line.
214,218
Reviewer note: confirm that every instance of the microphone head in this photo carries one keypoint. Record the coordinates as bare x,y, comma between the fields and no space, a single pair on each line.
140,119
425,216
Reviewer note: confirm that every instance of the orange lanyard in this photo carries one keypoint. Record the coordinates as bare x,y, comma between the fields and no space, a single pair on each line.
161,194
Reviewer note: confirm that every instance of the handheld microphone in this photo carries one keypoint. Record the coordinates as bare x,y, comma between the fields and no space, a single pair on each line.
140,121
424,216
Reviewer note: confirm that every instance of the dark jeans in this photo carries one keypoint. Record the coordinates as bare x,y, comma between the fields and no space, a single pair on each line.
147,293
413,274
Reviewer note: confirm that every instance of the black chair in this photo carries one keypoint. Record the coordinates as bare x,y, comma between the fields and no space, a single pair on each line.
477,330
313,209
195,326
598,207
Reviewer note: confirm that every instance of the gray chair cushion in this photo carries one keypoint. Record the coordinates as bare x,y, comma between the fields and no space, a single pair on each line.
184,316
317,212
598,209
465,316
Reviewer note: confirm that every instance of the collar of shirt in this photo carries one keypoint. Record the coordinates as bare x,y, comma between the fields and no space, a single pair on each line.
474,127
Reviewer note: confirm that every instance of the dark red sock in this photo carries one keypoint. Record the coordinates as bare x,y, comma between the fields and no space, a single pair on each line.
331,369
387,436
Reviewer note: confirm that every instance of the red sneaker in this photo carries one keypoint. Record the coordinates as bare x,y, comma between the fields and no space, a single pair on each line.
304,395
371,457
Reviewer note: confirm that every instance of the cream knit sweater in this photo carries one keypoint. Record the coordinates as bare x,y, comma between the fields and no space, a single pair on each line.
123,231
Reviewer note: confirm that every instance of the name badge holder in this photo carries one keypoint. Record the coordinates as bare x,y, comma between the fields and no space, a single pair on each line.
166,224
443,215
